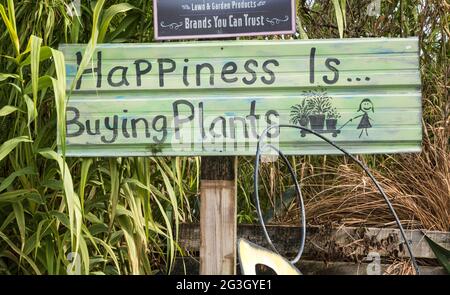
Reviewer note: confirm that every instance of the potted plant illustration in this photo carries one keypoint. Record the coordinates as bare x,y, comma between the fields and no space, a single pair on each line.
332,118
319,103
300,113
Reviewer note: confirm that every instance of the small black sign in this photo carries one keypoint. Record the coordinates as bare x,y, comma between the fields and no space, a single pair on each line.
198,19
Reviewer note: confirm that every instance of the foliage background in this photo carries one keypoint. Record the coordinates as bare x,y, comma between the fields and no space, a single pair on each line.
121,215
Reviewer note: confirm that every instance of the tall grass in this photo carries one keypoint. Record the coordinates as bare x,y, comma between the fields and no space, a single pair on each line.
62,215
121,215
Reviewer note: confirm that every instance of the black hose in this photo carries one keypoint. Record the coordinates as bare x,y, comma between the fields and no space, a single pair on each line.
300,197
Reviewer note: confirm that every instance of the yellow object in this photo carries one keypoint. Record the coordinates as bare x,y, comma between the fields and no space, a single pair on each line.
251,255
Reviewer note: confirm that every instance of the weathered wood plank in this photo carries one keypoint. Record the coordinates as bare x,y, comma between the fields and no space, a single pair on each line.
218,223
393,61
331,244
253,48
215,98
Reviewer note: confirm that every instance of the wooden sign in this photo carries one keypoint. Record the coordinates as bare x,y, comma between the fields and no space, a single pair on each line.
215,98
195,19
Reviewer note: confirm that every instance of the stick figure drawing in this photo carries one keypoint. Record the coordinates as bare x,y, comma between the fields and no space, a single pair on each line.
365,107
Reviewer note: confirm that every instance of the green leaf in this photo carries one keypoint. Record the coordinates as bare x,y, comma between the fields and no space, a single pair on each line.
45,53
20,218
85,165
15,196
7,221
59,88
35,56
9,180
110,252
61,217
7,110
11,144
339,17
442,254
44,82
133,257
71,198
3,76
124,27
10,23
115,187
31,106
18,251
39,235
303,34
90,48
109,15
344,11
12,14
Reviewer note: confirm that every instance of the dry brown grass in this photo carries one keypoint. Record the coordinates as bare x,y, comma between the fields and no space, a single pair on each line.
417,185
400,268
338,192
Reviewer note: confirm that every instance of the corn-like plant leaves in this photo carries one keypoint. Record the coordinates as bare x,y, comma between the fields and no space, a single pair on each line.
72,200
85,256
109,15
133,257
61,218
20,219
50,24
90,47
110,251
301,30
124,27
4,77
22,172
8,220
137,219
10,22
76,20
339,17
25,52
7,110
49,257
442,254
12,14
171,244
15,196
115,186
177,217
18,251
43,83
343,4
35,60
11,144
85,165
45,53
59,88
15,86
40,233
31,107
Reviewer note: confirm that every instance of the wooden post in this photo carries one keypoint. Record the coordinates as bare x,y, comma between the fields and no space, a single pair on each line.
218,228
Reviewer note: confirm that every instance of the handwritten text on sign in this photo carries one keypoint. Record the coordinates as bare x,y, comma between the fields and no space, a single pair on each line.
183,19
217,97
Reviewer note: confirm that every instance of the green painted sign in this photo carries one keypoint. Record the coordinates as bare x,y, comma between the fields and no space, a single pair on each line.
215,98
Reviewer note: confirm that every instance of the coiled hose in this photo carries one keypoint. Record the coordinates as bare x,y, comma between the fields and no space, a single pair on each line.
260,146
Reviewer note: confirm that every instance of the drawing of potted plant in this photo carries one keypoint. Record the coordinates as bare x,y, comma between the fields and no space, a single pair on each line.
332,118
300,113
320,103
